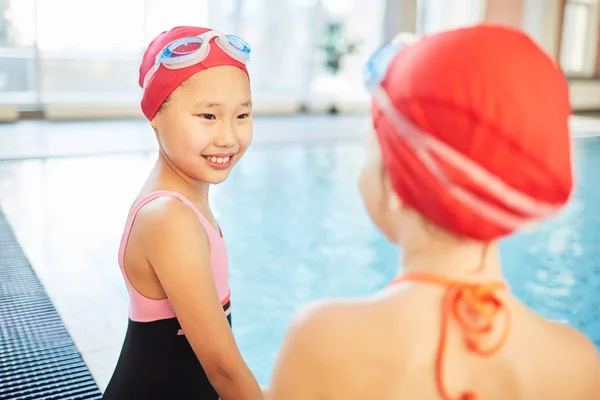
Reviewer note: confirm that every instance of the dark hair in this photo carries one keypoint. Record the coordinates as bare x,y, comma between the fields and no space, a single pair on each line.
164,103
162,106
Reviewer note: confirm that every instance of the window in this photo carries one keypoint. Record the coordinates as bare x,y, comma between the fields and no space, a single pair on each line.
438,15
93,57
18,67
161,15
347,33
577,52
85,53
282,37
49,57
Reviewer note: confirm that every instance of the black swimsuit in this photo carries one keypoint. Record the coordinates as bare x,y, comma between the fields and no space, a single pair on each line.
157,363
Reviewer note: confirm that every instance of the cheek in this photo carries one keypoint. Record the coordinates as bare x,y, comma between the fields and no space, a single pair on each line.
189,145
177,132
194,136
244,135
199,140
370,189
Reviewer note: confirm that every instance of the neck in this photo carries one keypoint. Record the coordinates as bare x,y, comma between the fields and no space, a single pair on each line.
181,182
457,260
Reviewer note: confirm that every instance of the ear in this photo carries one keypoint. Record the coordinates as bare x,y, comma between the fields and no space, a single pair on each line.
394,203
154,126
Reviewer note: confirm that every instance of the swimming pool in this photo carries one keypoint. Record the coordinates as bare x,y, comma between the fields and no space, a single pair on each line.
297,232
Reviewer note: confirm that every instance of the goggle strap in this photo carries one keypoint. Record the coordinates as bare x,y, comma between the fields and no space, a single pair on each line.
423,143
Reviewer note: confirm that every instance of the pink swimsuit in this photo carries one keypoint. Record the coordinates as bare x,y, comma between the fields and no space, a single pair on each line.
156,360
143,309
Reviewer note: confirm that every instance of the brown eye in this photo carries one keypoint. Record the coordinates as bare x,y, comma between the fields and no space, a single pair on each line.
207,116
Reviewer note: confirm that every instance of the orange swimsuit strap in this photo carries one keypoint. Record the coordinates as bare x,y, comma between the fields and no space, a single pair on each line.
474,307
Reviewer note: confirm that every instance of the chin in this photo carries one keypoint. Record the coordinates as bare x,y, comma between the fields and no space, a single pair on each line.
385,227
216,181
392,238
215,177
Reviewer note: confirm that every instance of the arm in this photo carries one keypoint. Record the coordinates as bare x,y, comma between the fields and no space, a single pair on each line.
178,249
301,371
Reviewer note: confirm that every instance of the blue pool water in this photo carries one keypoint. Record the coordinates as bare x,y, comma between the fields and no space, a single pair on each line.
297,232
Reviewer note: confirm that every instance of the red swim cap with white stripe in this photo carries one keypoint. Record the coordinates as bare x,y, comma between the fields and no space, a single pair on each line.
493,96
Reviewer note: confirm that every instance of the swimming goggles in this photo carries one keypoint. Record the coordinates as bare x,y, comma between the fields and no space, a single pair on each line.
192,50
528,211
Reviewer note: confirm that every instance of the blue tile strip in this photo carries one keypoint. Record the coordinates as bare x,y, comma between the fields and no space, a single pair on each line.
38,359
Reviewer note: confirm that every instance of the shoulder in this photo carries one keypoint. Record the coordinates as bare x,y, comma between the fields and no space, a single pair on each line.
571,359
304,364
322,343
325,330
166,221
580,344
578,360
317,317
327,342
327,317
336,323
162,210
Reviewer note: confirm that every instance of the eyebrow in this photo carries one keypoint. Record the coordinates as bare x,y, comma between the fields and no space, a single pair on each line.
211,104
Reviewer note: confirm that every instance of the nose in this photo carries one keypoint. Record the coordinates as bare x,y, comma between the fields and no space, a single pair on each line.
226,136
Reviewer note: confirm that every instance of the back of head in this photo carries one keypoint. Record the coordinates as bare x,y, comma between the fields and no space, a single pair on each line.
491,109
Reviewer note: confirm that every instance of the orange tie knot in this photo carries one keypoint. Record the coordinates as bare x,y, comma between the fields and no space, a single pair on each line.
475,308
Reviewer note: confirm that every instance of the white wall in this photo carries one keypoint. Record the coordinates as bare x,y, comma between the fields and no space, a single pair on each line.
540,21
585,94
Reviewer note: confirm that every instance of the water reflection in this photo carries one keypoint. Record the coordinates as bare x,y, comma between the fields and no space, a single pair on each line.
296,231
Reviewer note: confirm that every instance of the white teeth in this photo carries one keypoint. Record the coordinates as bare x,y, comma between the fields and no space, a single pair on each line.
218,160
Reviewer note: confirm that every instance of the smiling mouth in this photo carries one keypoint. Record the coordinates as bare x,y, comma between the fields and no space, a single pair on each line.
219,159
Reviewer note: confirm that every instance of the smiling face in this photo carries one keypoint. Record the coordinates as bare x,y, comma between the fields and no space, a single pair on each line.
206,125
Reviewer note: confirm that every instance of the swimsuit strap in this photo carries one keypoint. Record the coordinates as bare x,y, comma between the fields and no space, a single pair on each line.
474,307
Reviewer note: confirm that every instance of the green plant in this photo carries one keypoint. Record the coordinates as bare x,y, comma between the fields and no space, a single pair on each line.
335,46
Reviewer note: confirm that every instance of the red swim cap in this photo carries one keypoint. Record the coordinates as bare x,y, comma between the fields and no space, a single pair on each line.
494,96
165,80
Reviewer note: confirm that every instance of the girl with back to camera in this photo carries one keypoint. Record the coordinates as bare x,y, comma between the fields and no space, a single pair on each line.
471,144
179,343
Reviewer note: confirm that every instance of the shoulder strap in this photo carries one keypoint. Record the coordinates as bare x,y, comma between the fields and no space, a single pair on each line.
148,198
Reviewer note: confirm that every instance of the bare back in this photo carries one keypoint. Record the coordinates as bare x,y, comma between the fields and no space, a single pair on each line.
386,348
